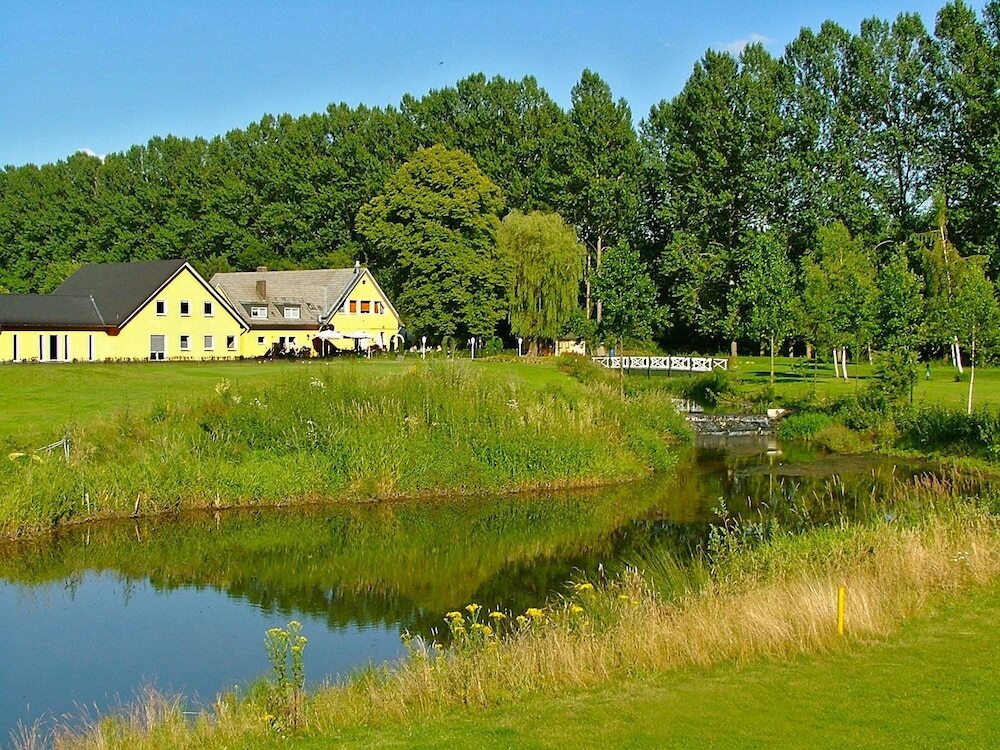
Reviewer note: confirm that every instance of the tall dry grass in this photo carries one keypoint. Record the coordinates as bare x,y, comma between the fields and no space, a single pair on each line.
766,594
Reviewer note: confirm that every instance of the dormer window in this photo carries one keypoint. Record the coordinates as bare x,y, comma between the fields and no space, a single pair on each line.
292,313
258,312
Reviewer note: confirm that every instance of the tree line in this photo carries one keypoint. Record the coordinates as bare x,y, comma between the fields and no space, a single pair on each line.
842,195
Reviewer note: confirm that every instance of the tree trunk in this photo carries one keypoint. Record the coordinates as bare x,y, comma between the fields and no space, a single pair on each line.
843,361
600,252
958,356
586,283
533,347
733,349
836,366
972,371
809,351
772,360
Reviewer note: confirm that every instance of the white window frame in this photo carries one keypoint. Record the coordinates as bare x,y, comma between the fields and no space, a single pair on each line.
255,310
208,308
289,309
161,304
185,342
261,341
230,343
209,342
185,314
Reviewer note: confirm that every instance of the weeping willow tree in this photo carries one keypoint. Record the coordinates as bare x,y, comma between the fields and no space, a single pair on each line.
547,264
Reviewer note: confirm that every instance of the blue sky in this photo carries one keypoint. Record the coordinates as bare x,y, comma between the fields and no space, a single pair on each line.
105,75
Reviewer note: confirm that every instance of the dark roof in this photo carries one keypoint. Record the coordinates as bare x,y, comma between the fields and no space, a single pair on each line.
118,289
49,311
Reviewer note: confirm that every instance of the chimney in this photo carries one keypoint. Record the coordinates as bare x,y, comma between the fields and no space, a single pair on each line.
262,283
357,267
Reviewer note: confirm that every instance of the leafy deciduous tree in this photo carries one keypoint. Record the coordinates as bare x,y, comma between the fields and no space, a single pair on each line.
433,230
546,267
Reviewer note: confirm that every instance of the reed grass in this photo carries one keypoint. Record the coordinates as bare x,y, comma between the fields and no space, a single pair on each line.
317,435
755,593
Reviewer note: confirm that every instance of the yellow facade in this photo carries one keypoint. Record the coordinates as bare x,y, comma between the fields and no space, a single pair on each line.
199,334
208,330
360,314
52,346
259,341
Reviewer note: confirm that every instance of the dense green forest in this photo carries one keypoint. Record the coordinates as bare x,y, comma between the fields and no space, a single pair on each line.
852,176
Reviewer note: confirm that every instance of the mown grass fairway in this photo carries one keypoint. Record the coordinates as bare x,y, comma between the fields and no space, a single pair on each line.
933,684
39,401
794,380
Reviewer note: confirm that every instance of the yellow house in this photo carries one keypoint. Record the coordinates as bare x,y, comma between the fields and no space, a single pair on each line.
121,311
323,309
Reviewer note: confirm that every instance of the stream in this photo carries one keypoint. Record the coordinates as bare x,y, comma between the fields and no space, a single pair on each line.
94,614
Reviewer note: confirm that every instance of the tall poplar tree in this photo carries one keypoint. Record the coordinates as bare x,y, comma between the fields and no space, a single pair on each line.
601,160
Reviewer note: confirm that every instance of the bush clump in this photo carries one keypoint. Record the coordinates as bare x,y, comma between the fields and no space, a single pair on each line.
803,426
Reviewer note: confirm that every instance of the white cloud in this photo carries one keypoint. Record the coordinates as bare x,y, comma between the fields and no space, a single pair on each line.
91,152
738,45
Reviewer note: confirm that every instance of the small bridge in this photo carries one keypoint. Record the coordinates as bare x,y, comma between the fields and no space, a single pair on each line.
664,364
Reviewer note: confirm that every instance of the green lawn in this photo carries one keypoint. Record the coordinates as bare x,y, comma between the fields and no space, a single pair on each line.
794,380
934,684
40,400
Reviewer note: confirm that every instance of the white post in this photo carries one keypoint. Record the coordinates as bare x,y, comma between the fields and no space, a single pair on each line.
472,344
843,360
423,347
519,340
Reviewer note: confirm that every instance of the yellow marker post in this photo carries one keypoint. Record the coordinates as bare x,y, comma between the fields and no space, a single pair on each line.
841,602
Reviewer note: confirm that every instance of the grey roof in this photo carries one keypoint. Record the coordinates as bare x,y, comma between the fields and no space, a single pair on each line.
315,293
118,289
49,311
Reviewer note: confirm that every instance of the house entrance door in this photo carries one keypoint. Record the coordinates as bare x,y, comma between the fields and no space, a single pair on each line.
157,347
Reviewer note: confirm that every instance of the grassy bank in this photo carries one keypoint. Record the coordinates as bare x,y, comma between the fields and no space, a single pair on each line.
758,592
932,684
346,433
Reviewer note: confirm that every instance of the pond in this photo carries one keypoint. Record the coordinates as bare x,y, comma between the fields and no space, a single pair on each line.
95,613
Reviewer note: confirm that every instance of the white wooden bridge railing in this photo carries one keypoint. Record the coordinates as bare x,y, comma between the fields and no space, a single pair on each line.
668,364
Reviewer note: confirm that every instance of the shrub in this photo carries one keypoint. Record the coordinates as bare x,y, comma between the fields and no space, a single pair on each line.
803,426
839,438
707,389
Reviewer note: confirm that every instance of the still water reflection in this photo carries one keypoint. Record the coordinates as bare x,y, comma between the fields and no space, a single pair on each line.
92,614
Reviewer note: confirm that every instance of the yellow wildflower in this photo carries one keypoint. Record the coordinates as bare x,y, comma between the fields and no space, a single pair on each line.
576,609
534,613
498,616
583,587
472,609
